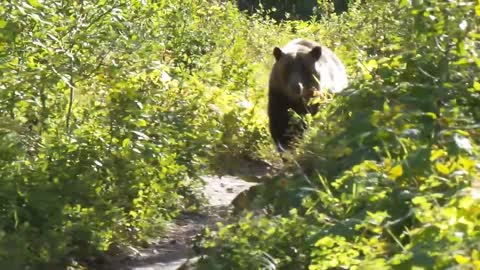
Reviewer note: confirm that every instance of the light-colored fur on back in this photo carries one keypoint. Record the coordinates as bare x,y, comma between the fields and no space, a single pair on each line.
333,76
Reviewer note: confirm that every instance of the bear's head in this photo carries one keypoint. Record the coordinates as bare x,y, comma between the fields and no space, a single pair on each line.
297,70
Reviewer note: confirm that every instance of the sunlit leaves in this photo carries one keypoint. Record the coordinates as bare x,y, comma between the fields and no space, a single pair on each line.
34,3
476,86
159,85
442,168
396,171
133,140
395,156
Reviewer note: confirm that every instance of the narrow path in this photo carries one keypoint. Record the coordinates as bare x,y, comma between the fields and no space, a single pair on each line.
172,251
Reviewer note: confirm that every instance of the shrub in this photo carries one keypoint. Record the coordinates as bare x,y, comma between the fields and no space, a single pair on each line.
384,179
110,111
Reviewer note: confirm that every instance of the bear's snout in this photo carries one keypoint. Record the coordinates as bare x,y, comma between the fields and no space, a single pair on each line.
297,88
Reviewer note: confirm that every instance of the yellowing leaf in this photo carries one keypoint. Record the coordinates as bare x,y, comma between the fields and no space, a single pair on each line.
372,64
398,108
387,163
466,202
475,254
461,259
442,168
467,163
100,77
476,263
372,165
476,86
396,172
437,153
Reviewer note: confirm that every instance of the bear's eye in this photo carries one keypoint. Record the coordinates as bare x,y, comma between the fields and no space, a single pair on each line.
304,67
306,70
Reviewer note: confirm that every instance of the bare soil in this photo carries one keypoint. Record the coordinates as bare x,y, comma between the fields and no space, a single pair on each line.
175,249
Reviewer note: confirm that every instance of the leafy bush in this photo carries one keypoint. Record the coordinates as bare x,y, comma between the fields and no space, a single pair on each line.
109,112
386,178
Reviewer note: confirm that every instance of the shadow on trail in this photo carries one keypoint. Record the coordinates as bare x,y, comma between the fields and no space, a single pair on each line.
175,248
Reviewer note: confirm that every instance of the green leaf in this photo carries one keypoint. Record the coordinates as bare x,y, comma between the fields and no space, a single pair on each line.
325,242
34,3
386,107
141,123
125,142
476,86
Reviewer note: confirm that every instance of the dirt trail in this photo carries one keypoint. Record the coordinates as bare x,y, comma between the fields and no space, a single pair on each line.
175,249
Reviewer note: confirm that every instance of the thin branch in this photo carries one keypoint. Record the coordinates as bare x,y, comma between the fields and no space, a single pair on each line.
70,101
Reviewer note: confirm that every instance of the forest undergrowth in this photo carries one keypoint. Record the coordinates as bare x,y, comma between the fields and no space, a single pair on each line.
111,110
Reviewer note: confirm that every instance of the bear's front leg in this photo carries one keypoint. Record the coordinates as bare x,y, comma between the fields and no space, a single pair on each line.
279,119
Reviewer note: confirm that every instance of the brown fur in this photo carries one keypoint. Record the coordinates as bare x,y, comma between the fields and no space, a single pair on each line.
301,69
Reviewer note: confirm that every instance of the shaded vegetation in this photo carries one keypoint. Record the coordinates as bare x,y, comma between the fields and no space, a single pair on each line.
110,110
288,10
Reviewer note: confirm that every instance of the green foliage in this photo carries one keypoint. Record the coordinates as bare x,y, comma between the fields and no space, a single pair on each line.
250,241
388,177
110,110
108,113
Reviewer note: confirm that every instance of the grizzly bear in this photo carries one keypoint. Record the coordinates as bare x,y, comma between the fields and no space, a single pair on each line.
301,69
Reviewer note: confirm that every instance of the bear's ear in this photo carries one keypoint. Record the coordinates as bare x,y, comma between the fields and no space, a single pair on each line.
316,52
277,52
